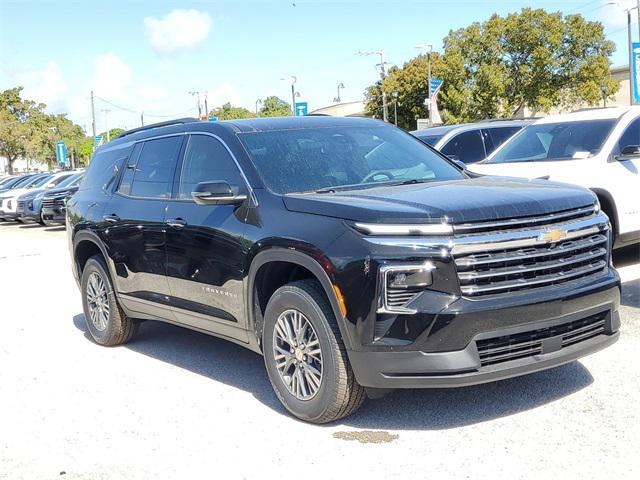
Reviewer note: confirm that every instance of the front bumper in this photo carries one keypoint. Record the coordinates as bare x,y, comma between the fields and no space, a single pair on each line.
54,214
542,324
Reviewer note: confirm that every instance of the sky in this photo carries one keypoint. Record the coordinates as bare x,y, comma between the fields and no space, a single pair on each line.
146,56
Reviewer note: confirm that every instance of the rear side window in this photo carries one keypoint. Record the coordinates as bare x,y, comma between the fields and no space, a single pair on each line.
101,171
151,175
206,160
631,135
499,136
466,146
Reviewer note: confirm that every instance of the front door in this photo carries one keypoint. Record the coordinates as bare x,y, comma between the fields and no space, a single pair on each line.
206,251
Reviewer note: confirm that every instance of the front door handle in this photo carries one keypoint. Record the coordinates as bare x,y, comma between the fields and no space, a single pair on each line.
113,218
176,223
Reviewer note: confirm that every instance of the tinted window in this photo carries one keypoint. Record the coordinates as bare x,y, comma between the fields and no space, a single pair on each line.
154,169
500,135
429,139
72,180
467,146
39,181
631,135
60,179
556,141
206,159
129,170
309,159
101,172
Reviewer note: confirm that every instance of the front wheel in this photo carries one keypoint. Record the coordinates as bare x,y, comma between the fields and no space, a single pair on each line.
305,357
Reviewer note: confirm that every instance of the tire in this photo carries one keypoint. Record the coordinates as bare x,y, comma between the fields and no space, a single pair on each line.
41,220
338,394
114,328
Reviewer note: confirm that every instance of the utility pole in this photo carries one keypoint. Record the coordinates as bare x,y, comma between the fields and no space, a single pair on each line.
428,48
294,79
197,95
395,108
106,122
385,112
258,102
93,116
206,105
142,118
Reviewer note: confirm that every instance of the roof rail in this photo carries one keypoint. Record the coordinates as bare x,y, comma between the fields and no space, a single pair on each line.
511,119
168,123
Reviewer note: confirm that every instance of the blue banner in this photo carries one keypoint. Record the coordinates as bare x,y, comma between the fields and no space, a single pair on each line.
301,109
61,153
635,65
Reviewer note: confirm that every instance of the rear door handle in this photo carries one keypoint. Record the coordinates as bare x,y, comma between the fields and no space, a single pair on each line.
113,218
176,223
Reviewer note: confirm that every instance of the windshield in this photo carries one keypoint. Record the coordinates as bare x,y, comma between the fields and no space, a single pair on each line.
430,139
71,181
328,158
39,181
555,141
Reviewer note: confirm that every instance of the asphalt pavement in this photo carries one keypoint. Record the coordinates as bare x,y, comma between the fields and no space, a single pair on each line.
177,404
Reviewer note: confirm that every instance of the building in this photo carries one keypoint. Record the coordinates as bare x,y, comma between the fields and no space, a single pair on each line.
22,165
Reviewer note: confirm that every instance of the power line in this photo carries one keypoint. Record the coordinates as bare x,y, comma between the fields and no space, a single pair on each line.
138,112
575,9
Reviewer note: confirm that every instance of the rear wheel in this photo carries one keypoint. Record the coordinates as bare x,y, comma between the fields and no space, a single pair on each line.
305,357
106,322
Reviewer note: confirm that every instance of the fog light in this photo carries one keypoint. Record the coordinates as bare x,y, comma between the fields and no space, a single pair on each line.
410,278
402,283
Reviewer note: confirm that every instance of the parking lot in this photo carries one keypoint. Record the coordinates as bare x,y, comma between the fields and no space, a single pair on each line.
179,404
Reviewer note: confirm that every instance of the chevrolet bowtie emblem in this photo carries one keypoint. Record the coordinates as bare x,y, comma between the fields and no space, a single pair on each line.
552,235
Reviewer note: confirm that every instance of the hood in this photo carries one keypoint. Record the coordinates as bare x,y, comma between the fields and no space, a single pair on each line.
54,192
15,192
459,201
32,193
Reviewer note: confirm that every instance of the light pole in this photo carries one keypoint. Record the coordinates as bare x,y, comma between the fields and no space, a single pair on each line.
294,79
341,85
206,106
106,122
196,94
395,108
428,48
630,42
258,102
385,113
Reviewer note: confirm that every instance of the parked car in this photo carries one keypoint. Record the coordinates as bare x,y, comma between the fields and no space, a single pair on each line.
15,182
349,254
470,142
597,148
8,198
30,204
9,204
53,202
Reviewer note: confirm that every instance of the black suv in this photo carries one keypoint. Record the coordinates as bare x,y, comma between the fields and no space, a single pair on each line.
352,256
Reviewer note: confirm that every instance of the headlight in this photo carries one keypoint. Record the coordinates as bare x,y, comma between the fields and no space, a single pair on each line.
596,206
400,284
9,204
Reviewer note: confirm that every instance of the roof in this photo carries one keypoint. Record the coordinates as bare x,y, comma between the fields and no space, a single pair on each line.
470,126
291,123
590,114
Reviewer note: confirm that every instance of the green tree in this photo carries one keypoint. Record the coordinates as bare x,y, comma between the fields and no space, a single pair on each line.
275,107
228,112
16,127
494,69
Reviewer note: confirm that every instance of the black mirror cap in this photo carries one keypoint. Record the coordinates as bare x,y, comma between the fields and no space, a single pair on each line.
216,192
630,151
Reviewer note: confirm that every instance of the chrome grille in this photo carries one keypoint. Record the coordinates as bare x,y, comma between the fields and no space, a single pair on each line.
523,259
521,345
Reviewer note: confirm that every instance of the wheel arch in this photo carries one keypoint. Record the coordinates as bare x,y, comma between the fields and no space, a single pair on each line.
296,259
85,245
608,205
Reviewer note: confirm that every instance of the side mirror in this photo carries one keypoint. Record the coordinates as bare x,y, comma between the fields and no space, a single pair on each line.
630,151
458,162
216,193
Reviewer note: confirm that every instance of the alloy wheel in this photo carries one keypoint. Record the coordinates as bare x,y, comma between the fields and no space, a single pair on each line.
98,301
297,353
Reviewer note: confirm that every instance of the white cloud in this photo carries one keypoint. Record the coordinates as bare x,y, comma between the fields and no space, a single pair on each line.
177,31
47,86
111,77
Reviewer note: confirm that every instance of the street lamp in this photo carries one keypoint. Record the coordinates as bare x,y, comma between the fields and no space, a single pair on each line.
294,79
258,102
630,41
428,48
385,113
337,99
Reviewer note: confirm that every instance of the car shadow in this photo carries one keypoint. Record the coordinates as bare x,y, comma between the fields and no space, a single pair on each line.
631,293
432,409
626,256
60,228
30,225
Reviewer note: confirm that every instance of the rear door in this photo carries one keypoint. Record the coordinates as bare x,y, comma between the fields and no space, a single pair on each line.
206,251
134,228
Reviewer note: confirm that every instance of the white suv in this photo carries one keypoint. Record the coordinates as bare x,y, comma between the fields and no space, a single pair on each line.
598,149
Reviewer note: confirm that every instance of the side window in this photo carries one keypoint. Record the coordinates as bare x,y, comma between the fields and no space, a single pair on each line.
129,170
467,146
153,172
101,172
631,135
206,160
500,135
